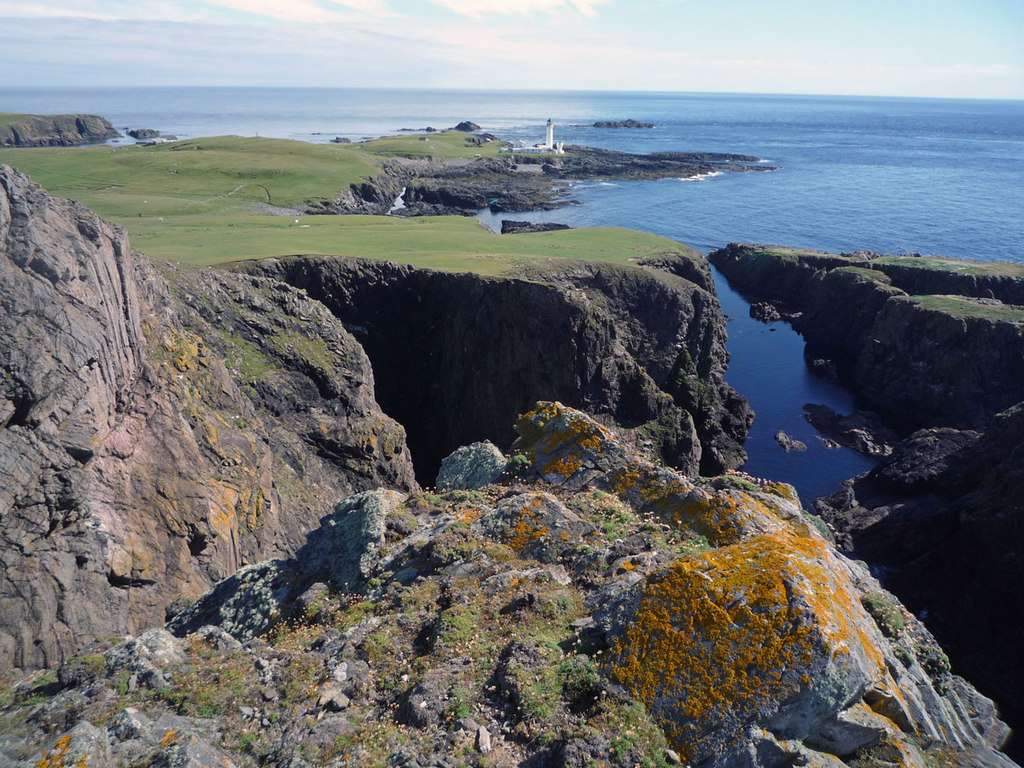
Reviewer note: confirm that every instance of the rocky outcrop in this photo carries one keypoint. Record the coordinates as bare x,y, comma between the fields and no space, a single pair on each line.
942,516
158,427
466,125
460,186
456,356
618,612
54,130
925,359
630,123
510,227
143,133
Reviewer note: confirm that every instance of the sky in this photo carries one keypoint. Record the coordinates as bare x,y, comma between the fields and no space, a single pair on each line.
928,48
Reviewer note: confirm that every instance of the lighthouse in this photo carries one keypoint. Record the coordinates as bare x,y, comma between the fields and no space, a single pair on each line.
550,142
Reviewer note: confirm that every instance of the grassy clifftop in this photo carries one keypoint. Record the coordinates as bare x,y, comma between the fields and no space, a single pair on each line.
205,201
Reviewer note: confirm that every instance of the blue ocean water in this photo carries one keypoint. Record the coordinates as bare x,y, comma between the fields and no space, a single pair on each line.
896,175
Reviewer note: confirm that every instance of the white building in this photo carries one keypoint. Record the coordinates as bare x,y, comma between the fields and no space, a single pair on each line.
549,144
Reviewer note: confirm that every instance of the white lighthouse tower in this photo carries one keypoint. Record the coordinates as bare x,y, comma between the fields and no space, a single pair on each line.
550,141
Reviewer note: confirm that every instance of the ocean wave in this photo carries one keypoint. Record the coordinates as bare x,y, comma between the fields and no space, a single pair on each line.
700,176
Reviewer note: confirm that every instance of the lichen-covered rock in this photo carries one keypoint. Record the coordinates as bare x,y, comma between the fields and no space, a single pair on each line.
341,553
471,466
537,525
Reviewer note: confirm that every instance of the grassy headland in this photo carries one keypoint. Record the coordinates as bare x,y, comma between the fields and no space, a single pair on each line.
204,201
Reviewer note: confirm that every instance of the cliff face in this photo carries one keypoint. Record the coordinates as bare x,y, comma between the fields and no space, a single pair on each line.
943,515
56,131
458,356
157,433
599,608
927,341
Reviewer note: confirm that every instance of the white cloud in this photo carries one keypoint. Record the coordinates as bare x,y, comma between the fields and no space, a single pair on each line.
477,9
310,11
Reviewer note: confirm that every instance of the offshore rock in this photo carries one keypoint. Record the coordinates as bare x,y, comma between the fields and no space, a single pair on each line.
56,131
638,346
157,430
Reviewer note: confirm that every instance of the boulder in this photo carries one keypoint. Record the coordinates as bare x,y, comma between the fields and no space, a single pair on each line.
471,466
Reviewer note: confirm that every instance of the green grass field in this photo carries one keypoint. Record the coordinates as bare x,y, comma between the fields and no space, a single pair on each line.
197,201
441,144
6,118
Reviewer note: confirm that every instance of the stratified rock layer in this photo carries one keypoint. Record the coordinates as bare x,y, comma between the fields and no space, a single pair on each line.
156,433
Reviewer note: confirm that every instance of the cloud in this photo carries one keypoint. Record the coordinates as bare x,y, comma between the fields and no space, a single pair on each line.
477,9
299,11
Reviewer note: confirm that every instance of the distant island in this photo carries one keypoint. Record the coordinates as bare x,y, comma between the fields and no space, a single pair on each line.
17,130
623,124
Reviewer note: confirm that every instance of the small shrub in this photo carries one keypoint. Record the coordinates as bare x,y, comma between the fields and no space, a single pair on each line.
885,612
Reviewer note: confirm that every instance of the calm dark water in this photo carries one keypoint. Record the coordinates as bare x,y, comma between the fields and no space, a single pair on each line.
897,175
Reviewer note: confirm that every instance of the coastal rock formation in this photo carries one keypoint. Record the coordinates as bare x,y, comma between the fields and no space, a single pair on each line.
619,613
509,227
938,344
630,123
942,514
158,430
951,357
456,357
143,133
437,186
466,125
54,130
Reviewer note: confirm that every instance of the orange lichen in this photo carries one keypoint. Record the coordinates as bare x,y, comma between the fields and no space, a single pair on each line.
170,739
563,437
54,756
716,638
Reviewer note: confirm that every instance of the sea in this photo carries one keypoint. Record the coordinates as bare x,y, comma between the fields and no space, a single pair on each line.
894,175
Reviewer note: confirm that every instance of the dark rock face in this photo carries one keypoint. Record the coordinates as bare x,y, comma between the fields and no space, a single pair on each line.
157,432
466,125
143,133
56,131
510,227
928,360
943,515
456,356
765,312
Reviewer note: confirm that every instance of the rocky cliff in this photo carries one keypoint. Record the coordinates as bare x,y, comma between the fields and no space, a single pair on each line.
943,515
931,342
596,609
159,427
937,344
55,130
458,356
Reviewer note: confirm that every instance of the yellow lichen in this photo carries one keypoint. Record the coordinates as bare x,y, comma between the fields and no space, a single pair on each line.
716,637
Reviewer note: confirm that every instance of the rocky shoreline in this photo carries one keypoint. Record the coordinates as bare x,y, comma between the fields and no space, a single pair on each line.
515,183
